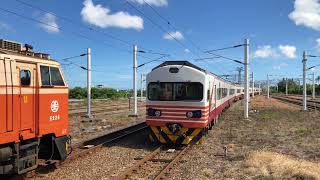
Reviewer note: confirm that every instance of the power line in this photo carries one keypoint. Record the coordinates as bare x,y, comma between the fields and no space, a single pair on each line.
91,28
200,59
158,26
224,48
224,57
73,33
150,61
73,22
170,24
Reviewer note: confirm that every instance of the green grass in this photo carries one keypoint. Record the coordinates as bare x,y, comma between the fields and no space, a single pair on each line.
303,131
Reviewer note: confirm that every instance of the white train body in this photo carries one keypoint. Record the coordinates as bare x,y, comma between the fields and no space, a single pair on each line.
184,100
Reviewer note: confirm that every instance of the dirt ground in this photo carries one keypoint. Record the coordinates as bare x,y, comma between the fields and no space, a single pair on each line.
108,115
277,142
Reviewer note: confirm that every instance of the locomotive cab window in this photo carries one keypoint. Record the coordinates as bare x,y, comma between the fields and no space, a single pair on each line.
51,76
25,78
56,78
45,75
177,91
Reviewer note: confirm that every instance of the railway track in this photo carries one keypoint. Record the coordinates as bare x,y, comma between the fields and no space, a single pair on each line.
97,142
90,145
102,109
311,104
155,165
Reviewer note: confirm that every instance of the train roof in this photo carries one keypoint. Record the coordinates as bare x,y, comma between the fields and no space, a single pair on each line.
18,50
28,56
182,63
187,63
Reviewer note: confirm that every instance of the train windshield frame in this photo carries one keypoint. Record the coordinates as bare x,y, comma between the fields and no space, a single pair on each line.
175,91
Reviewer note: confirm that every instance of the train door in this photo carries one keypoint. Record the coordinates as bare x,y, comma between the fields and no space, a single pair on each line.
3,98
8,90
27,86
215,96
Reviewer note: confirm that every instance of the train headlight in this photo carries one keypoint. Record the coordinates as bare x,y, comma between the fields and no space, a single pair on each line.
157,113
194,114
189,114
153,112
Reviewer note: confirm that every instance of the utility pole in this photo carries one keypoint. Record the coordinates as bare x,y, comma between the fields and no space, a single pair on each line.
304,62
252,85
141,90
268,87
89,115
246,81
135,111
259,88
286,86
313,86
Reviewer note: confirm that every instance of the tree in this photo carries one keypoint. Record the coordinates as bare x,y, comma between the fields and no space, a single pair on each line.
98,93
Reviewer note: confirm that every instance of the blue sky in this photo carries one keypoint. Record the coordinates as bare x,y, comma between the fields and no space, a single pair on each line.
279,31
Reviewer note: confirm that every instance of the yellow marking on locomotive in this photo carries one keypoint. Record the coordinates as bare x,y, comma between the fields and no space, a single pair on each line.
25,99
193,135
201,140
174,137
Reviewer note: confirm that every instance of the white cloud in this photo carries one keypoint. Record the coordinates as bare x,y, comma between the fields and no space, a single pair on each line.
173,35
306,13
186,50
100,16
51,25
265,51
288,50
152,2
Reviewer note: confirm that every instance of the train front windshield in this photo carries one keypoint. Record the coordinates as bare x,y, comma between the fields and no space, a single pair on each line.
175,91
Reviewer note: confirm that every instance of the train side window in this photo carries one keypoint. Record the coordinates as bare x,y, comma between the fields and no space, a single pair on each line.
45,75
56,78
208,95
231,91
219,93
25,78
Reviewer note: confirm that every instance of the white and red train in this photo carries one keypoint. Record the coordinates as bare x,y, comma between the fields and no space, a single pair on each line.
184,101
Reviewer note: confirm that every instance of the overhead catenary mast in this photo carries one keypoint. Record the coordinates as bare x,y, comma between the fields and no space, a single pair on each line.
89,115
135,110
246,79
304,62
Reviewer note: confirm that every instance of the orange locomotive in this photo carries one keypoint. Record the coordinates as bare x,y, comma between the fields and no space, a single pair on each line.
33,109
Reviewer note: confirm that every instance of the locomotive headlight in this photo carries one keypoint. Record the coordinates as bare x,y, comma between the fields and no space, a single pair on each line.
194,114
157,113
189,114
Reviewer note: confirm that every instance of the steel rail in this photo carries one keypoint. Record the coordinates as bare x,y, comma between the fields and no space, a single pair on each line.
310,104
169,166
164,171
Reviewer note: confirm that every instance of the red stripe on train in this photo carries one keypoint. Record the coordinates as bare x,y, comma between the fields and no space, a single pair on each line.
178,118
183,107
